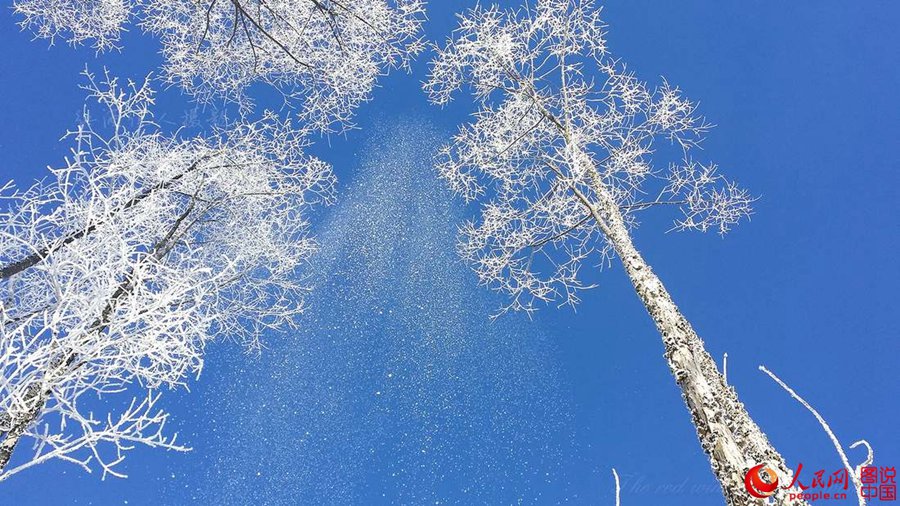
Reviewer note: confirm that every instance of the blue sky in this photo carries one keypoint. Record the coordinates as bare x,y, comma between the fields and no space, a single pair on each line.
804,96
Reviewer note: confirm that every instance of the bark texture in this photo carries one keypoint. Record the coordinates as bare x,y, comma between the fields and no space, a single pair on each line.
15,423
731,439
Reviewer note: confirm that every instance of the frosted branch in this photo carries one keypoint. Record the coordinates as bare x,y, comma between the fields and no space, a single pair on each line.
119,270
854,473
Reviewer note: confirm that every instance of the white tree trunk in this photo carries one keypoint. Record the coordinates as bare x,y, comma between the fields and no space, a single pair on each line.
728,435
13,425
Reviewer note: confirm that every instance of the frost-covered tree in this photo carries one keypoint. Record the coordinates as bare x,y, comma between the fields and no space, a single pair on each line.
566,150
116,273
324,55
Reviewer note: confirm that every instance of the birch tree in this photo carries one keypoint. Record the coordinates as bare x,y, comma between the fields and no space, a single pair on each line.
119,270
322,55
566,150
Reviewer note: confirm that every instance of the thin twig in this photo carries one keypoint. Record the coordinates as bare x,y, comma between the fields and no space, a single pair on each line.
827,428
618,489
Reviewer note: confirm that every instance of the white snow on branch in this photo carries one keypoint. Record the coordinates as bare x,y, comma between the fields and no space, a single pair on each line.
853,472
119,270
560,122
324,55
618,487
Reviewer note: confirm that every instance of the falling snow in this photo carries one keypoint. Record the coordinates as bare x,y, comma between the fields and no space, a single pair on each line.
462,408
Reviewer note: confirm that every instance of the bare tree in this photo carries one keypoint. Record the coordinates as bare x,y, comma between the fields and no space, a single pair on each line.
563,155
116,273
322,54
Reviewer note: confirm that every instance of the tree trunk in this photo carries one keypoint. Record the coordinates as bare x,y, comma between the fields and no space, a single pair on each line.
13,424
728,435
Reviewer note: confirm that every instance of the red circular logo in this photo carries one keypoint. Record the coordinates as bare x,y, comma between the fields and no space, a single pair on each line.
757,486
